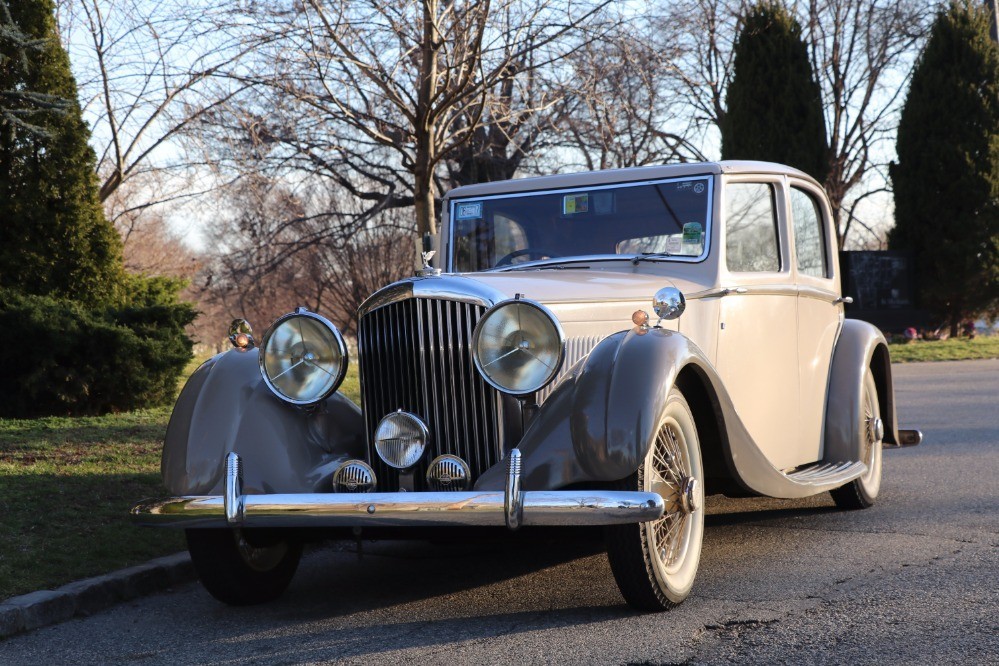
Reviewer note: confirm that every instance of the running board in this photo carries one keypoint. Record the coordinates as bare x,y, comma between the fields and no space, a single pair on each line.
827,474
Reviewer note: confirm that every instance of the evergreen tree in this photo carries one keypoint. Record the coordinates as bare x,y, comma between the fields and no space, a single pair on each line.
773,103
946,180
54,238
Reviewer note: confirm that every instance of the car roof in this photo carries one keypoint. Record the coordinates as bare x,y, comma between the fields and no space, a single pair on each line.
610,176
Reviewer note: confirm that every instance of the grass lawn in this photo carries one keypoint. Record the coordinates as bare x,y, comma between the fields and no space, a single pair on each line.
955,349
66,486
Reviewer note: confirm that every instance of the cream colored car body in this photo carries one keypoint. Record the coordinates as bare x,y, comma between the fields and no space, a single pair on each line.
770,336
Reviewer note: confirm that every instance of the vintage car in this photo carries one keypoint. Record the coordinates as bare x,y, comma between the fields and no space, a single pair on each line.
599,348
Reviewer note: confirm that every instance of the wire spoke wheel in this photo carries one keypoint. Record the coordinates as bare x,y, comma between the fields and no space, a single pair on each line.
655,563
861,493
241,567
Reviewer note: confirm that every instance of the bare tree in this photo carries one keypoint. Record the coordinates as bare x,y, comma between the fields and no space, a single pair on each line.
622,109
143,72
862,51
151,245
393,89
706,31
249,275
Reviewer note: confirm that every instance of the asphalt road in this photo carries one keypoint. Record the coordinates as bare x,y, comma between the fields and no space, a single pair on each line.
915,579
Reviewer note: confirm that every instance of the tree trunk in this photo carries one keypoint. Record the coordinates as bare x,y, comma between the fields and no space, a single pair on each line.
426,218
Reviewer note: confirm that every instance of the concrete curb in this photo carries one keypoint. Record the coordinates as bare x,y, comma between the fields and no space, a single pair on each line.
88,596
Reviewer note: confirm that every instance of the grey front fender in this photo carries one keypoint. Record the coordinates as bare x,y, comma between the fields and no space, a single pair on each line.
598,423
226,407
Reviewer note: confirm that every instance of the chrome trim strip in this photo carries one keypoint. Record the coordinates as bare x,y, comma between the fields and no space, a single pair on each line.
823,295
513,497
486,508
757,290
446,287
232,500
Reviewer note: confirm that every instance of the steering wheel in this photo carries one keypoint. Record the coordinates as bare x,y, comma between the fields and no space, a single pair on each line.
537,253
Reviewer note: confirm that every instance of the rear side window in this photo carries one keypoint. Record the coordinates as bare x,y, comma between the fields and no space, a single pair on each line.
809,245
751,228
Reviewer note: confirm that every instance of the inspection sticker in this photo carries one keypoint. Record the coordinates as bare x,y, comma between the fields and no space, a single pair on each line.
468,211
575,203
691,233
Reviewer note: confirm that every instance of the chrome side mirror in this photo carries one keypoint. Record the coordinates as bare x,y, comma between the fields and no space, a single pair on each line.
669,303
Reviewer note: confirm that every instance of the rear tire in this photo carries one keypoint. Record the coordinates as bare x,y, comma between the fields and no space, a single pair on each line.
655,563
239,573
861,492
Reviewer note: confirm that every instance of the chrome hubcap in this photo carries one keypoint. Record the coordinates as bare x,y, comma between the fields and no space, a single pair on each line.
260,558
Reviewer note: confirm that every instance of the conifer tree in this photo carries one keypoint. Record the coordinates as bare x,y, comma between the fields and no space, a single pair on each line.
54,238
946,180
774,106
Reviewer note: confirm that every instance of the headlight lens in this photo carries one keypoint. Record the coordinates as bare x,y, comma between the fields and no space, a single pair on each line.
400,439
518,346
303,357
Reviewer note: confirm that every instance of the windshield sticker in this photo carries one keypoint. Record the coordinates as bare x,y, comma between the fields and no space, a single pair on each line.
468,211
575,203
684,185
692,234
699,188
673,244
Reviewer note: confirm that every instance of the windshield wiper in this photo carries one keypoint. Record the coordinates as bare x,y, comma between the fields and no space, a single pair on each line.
645,256
545,267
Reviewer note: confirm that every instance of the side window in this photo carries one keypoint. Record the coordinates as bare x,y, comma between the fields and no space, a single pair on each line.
809,239
751,228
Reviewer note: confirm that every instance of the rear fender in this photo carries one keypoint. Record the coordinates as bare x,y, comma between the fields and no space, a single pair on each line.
860,346
226,407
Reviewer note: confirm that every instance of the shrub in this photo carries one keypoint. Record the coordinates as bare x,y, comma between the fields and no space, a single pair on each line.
62,359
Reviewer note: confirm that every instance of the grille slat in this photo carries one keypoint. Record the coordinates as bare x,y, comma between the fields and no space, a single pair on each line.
415,356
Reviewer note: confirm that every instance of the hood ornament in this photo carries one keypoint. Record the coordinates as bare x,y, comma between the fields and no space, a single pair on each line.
427,269
426,255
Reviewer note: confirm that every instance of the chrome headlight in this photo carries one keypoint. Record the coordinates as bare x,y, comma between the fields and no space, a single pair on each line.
303,357
518,346
400,439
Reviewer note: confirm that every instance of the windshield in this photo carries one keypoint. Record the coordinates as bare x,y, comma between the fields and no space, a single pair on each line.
664,217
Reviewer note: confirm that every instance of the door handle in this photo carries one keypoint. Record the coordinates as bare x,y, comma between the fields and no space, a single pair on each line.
733,290
843,299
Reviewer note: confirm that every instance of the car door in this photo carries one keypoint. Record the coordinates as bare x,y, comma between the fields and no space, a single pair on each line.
819,312
757,340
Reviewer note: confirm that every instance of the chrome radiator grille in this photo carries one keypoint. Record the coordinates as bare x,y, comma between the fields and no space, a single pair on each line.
415,356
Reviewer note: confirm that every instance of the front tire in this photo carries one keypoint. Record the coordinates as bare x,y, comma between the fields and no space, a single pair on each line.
241,571
861,492
655,563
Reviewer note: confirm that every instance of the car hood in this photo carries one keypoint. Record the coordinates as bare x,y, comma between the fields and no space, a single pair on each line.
576,296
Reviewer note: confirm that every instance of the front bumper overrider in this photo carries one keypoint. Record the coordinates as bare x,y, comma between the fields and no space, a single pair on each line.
512,507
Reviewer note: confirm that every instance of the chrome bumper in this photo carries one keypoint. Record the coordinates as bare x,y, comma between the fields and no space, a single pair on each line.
512,507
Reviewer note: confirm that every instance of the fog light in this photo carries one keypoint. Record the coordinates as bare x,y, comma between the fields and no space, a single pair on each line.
400,439
354,476
448,473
